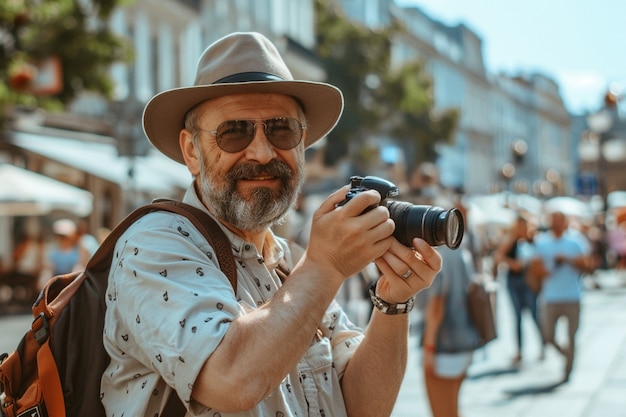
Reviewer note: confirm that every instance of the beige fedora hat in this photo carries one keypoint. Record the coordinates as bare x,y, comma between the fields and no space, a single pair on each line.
235,64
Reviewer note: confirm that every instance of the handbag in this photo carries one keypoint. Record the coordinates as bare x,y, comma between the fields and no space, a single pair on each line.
535,274
481,312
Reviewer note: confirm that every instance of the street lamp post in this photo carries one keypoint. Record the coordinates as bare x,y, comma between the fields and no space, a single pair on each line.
508,171
602,124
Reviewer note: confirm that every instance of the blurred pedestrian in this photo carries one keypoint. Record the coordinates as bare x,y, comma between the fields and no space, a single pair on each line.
87,240
449,337
27,260
596,239
565,256
66,253
513,252
617,244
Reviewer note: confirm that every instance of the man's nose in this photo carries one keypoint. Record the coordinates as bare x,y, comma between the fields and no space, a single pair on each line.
260,149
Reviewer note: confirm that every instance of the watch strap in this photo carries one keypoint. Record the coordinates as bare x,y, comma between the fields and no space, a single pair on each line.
389,308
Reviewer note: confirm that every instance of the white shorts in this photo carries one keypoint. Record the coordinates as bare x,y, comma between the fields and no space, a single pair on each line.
452,365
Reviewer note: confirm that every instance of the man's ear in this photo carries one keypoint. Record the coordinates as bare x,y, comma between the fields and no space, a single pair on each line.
189,152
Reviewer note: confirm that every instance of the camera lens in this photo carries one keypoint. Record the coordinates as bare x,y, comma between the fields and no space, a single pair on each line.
437,226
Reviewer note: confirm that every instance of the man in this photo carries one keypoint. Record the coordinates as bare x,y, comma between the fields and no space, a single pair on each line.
274,348
66,254
564,254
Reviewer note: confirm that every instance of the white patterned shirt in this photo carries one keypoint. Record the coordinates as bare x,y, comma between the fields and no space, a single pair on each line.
169,306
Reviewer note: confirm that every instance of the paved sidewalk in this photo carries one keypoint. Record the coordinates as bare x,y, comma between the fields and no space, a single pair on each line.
494,388
597,387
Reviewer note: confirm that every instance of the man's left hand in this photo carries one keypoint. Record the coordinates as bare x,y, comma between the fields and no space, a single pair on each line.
406,271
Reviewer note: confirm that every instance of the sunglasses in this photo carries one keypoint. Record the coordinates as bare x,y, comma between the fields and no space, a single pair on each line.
235,135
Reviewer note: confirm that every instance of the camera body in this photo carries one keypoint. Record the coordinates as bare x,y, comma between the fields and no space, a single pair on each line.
385,188
437,226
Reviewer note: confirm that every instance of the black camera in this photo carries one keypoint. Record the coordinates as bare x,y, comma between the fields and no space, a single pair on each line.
437,226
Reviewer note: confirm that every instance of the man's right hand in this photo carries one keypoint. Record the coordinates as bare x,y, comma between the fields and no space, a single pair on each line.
347,238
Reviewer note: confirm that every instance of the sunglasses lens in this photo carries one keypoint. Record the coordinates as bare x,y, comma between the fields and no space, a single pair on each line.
235,135
282,132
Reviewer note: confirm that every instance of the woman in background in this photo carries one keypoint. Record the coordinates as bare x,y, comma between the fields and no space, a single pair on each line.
510,252
449,338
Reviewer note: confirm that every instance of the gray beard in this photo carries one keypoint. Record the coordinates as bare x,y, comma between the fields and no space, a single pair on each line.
264,207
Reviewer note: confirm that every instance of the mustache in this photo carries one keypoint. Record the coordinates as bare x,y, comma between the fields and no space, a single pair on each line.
274,168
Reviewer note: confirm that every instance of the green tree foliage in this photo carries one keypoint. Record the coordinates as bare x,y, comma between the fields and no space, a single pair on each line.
408,97
75,33
378,99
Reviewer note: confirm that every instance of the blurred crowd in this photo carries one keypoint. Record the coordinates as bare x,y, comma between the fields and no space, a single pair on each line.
41,251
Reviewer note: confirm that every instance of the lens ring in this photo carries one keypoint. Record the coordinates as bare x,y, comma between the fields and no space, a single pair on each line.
454,228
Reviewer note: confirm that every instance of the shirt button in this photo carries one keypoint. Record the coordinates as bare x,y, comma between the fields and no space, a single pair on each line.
247,246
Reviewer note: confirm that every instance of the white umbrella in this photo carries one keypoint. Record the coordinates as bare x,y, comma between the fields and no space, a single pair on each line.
569,206
511,201
525,202
26,193
491,214
616,199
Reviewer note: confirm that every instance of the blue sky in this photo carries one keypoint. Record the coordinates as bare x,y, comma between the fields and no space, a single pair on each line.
581,44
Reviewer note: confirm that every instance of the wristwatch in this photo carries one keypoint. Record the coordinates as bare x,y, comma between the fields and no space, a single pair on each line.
388,308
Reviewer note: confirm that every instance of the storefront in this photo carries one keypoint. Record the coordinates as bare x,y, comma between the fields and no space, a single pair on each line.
91,162
49,173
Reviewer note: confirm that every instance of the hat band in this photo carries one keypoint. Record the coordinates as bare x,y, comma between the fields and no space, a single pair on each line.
243,77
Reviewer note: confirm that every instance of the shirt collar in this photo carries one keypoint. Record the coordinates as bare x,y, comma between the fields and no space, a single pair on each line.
240,246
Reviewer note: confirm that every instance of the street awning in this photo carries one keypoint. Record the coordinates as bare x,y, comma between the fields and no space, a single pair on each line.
151,173
26,193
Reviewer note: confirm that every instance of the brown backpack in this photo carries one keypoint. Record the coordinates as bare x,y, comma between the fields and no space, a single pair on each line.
55,371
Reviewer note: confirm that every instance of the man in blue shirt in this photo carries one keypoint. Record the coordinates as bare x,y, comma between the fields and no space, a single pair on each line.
564,253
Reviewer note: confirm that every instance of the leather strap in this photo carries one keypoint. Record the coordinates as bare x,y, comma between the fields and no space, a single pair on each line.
210,230
49,376
282,270
201,220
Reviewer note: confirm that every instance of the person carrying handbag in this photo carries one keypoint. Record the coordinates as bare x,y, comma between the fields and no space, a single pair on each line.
449,337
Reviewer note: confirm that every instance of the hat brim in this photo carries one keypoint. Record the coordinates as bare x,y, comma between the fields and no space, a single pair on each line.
163,117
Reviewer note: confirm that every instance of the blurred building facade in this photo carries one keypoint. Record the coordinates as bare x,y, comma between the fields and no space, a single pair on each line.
168,37
497,110
99,146
601,152
528,109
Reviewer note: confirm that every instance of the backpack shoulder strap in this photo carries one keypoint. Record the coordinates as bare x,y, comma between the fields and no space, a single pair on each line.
210,230
282,270
201,220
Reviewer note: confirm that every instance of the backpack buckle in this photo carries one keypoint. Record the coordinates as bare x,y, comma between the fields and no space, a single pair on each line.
34,411
42,333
